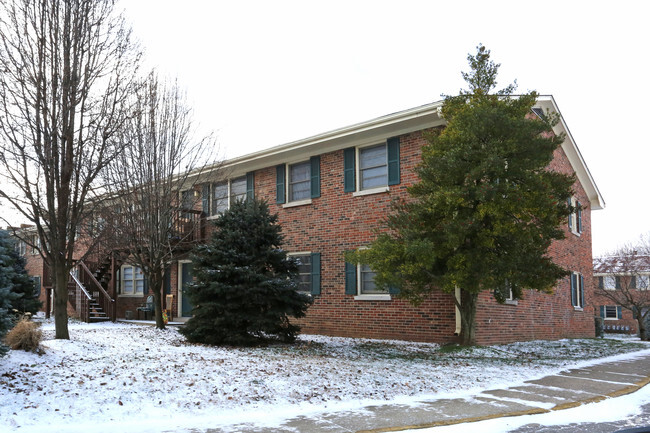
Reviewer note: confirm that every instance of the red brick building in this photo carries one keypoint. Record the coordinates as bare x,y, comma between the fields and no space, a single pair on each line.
332,190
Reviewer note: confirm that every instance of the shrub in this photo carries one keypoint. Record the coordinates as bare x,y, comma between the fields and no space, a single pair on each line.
26,335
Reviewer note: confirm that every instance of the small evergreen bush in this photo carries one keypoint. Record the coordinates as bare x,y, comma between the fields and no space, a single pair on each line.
245,285
26,335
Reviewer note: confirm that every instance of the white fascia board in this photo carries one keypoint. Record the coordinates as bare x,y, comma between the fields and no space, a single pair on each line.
403,122
573,154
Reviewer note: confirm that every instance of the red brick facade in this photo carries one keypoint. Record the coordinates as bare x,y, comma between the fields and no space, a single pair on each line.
337,221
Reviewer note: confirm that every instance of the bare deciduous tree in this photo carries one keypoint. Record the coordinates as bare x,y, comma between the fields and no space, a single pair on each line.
67,68
153,185
624,277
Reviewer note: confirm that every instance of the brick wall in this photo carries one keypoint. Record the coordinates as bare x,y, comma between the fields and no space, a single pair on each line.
337,221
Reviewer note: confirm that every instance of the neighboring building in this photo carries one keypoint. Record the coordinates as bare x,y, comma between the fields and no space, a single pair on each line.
331,192
625,277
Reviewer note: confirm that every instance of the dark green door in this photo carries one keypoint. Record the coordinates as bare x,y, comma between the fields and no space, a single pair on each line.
186,277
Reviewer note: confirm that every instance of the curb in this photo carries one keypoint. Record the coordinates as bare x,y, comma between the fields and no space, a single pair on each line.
621,392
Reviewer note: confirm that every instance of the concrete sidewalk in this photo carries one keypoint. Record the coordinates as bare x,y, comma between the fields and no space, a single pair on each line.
567,389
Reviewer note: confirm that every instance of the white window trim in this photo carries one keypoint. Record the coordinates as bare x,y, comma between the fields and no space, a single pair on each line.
302,253
287,182
615,313
297,203
368,296
574,218
135,294
378,190
357,162
229,196
578,307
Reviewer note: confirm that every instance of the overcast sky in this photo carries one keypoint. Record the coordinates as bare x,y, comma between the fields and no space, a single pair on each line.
264,73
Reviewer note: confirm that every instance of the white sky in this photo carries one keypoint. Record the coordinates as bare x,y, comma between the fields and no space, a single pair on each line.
262,73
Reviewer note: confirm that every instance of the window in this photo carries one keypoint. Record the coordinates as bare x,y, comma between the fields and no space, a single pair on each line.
298,183
37,286
642,282
132,282
504,294
36,242
577,283
217,197
575,217
372,168
611,312
308,272
607,282
21,248
360,281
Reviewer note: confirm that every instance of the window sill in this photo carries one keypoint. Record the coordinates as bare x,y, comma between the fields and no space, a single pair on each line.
511,302
612,318
130,296
372,298
297,203
576,233
577,308
363,192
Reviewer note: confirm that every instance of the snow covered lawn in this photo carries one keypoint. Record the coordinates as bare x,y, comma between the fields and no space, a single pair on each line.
121,377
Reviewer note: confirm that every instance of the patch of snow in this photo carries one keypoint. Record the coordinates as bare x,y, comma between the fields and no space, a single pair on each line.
131,378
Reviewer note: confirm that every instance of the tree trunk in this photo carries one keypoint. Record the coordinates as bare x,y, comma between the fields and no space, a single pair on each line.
155,285
61,279
643,332
467,316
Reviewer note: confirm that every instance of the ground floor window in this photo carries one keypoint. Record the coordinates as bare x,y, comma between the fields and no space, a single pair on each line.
577,290
132,281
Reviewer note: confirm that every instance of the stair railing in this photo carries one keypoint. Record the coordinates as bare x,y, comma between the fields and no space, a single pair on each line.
104,300
82,299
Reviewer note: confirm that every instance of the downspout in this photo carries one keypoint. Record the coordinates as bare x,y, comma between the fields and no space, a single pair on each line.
458,321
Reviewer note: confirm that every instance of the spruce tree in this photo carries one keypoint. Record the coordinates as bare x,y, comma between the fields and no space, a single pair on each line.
244,291
26,299
485,209
6,284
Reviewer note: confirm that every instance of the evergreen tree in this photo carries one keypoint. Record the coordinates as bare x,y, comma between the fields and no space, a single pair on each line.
26,299
245,285
486,207
6,285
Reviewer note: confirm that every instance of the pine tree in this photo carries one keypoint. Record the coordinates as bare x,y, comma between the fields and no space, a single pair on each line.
245,285
486,207
6,284
26,299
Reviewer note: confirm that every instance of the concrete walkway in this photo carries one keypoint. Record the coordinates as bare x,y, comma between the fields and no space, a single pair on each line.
567,389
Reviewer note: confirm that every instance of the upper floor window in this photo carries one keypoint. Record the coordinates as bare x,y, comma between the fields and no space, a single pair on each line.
217,197
372,168
575,217
297,183
21,247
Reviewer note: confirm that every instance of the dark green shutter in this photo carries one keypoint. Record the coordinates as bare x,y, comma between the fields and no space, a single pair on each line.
619,312
602,311
315,176
570,214
315,273
393,290
205,199
582,291
279,183
618,282
350,279
349,182
634,312
393,161
579,218
633,282
574,282
250,185
601,283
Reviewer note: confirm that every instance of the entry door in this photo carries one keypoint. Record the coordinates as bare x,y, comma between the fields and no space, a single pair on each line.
186,277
